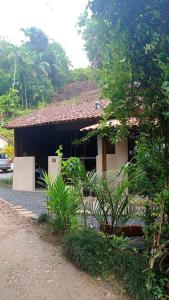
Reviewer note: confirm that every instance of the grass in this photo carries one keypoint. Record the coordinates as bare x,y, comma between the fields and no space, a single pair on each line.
43,218
87,250
90,252
7,181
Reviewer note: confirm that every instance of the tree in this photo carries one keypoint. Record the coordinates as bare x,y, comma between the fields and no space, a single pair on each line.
58,65
81,74
36,69
9,103
128,44
37,39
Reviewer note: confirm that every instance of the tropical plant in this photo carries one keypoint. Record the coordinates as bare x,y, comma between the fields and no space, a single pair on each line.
128,44
62,203
36,69
74,170
9,103
112,198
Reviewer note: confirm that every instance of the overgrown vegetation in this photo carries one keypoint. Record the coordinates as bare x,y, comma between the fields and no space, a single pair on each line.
90,251
7,181
62,203
128,44
98,253
32,71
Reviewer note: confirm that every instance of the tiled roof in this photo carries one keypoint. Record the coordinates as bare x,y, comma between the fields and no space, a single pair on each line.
59,113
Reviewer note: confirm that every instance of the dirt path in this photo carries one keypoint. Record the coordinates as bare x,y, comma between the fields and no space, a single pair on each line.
31,268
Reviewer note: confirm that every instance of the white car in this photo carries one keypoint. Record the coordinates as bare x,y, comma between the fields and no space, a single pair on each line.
5,162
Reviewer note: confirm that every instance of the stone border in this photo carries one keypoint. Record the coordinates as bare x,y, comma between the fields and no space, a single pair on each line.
21,210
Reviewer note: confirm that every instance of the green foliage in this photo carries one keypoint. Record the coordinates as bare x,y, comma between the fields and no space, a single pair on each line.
118,242
9,103
149,175
36,69
43,218
81,74
88,250
128,43
111,191
38,40
62,202
7,181
74,170
9,134
130,268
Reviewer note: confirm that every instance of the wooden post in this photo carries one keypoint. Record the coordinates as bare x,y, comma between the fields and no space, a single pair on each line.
104,162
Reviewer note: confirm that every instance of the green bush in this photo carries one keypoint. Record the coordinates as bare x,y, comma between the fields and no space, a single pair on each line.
62,203
88,250
118,242
7,181
43,218
130,268
74,170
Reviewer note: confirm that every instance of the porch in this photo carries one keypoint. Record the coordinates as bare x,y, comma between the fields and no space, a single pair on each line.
38,144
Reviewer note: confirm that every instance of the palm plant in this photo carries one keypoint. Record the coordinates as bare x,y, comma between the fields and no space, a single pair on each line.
111,198
62,202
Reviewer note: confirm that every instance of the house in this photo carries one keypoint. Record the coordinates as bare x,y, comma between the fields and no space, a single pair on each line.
39,134
3,142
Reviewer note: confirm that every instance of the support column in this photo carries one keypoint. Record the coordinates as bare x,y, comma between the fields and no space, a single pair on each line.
24,174
54,166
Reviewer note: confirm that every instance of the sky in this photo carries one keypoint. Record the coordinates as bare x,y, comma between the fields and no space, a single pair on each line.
57,18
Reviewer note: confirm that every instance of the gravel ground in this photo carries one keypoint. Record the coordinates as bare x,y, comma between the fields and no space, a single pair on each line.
33,201
34,269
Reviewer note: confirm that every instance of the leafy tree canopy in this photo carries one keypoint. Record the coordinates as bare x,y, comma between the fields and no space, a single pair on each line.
36,69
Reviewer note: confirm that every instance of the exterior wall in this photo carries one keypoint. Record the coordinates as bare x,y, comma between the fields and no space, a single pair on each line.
99,144
24,174
117,160
113,161
3,143
99,167
53,166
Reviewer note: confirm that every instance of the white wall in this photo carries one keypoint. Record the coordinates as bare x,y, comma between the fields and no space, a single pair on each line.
24,174
53,166
113,161
117,160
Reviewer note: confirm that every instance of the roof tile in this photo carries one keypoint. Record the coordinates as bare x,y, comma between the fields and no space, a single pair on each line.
59,113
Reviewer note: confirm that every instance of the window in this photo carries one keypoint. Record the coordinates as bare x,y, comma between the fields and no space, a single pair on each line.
110,148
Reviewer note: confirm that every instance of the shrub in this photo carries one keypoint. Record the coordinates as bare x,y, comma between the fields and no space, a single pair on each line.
62,203
88,250
73,167
118,242
7,181
130,268
43,218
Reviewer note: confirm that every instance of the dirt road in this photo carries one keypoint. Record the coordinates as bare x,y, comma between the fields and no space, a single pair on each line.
31,268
